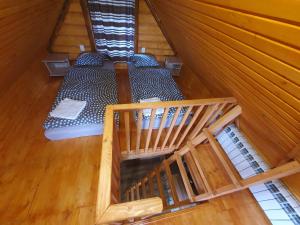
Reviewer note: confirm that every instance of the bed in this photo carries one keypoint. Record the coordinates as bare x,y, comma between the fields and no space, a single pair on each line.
149,82
94,84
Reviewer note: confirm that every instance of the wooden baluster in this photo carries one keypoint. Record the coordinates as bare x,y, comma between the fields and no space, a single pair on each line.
132,193
216,113
185,178
223,158
139,131
171,128
171,182
150,129
144,190
198,111
137,188
160,187
151,187
161,127
209,112
127,130
186,115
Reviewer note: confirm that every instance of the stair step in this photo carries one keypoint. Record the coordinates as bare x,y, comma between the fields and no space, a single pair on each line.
184,176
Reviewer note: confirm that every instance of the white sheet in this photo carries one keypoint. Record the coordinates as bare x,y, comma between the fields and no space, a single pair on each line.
147,112
68,109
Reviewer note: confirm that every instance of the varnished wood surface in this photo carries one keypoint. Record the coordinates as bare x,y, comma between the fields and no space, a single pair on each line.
72,32
247,51
55,182
235,209
41,181
149,34
25,29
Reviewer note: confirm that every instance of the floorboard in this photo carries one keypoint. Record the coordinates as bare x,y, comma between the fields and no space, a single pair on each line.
55,182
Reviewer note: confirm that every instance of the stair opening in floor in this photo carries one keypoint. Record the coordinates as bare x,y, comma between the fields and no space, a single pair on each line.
190,167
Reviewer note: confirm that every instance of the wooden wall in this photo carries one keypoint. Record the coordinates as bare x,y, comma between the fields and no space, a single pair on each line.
150,35
246,49
25,28
72,32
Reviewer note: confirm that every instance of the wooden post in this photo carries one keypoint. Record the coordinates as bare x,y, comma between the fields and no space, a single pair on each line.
127,130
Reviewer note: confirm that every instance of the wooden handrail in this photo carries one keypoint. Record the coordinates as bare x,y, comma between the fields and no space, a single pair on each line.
133,209
104,207
183,103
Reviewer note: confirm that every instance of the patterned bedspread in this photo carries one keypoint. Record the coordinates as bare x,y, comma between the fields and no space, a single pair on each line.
153,82
95,85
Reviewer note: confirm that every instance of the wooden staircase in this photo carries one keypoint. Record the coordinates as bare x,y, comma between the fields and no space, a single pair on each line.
193,159
195,177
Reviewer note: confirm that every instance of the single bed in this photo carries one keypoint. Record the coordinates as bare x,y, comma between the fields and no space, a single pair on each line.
151,82
94,84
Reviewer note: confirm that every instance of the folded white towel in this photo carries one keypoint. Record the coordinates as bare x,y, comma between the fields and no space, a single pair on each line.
68,109
147,112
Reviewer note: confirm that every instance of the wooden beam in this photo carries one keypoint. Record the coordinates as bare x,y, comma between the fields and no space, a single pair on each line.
142,154
161,127
171,182
129,210
231,171
136,26
273,174
185,178
160,188
59,23
139,131
127,130
105,170
170,129
195,116
153,113
183,120
181,103
88,23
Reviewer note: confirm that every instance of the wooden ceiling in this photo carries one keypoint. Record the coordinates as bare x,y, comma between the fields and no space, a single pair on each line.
25,28
72,31
249,50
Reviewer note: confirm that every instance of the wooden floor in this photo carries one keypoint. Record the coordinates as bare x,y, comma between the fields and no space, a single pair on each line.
46,182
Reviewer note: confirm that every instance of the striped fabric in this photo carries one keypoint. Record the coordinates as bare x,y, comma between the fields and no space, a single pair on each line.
113,23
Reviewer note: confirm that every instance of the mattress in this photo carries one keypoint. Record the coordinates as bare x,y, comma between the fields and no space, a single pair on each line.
95,85
154,82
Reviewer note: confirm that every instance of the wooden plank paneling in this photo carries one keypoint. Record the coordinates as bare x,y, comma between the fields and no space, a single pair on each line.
72,33
249,51
25,28
150,35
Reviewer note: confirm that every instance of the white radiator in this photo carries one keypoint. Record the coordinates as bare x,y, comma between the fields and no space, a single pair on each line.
280,206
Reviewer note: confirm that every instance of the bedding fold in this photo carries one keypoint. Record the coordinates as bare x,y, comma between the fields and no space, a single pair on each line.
68,109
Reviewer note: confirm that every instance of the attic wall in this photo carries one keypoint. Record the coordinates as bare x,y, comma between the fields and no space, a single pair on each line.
150,35
72,32
249,50
25,28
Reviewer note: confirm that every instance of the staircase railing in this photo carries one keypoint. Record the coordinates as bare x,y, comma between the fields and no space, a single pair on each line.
153,129
185,119
195,172
208,117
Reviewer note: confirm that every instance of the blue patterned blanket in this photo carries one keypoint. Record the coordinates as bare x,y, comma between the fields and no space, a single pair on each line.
153,82
96,86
